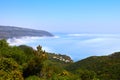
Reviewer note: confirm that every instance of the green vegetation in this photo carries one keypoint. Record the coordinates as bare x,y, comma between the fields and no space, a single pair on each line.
25,63
104,67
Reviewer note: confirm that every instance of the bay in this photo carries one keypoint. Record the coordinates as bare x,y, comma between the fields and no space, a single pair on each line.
77,46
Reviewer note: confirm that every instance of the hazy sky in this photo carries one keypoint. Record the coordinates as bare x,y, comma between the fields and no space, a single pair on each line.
73,16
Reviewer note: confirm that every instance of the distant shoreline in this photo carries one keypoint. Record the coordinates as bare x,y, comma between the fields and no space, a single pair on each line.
7,32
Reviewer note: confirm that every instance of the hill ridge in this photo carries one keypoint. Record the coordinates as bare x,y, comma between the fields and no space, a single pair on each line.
12,31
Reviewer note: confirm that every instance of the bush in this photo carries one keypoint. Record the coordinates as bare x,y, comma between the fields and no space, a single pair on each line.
9,69
34,78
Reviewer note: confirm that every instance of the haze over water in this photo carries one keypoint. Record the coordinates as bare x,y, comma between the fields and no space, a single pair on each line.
77,46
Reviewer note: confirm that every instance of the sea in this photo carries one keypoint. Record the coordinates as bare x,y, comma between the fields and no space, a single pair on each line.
78,45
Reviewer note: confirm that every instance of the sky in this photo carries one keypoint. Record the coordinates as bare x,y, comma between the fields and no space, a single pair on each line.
65,16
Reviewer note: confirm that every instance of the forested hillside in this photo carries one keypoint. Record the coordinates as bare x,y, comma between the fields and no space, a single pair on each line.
105,67
10,32
25,63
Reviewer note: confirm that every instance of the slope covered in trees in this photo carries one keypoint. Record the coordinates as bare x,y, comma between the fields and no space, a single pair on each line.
25,63
10,32
105,67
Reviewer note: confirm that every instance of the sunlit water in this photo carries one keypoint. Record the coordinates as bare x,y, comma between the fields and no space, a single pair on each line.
77,46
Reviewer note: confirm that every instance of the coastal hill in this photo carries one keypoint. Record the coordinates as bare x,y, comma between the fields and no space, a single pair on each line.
25,63
105,67
11,31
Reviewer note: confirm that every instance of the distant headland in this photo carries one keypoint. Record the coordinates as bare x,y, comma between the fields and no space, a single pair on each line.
12,31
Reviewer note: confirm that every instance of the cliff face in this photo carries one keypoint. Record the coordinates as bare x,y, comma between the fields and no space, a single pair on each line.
10,31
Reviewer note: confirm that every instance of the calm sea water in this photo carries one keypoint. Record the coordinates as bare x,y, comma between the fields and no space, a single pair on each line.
77,46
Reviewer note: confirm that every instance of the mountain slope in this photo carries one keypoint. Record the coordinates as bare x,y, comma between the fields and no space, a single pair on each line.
25,63
10,31
106,67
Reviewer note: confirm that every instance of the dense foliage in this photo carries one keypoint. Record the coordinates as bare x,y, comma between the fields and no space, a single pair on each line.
25,63
105,67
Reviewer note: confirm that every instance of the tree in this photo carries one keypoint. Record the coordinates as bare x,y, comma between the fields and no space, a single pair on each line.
86,74
9,69
28,51
3,43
